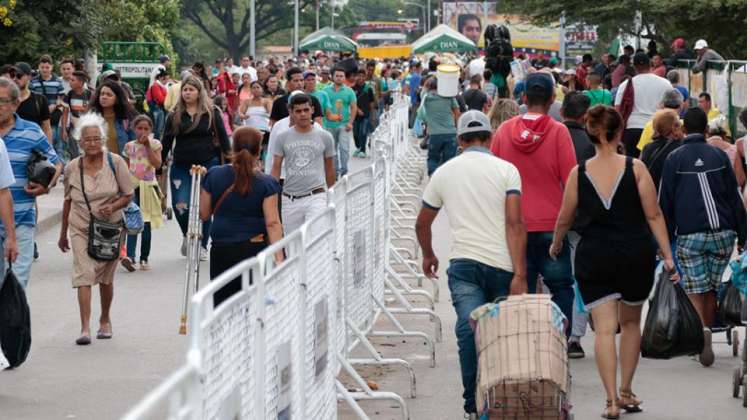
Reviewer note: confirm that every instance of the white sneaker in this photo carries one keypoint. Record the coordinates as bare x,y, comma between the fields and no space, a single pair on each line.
184,246
203,254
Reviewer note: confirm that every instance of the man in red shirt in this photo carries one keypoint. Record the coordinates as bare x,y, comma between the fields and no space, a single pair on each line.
542,150
583,70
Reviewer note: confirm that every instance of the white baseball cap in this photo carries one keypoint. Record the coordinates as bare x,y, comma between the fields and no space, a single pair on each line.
700,44
472,122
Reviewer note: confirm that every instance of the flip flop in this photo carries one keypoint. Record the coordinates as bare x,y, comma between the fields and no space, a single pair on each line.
83,340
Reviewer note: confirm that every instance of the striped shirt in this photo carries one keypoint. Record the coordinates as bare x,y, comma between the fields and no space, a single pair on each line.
53,88
20,141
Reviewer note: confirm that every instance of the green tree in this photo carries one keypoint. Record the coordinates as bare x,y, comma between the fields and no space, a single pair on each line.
718,21
227,22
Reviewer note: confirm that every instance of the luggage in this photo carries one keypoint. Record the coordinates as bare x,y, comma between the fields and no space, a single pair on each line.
522,359
730,306
15,321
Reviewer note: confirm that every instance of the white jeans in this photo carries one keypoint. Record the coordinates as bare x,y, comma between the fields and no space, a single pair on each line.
299,211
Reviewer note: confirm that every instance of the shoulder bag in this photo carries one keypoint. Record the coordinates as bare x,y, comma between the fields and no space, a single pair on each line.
104,237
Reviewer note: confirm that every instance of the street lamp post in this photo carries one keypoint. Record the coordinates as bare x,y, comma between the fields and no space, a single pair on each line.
295,29
423,9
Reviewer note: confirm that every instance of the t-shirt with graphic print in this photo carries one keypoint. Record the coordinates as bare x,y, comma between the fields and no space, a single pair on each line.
140,167
303,158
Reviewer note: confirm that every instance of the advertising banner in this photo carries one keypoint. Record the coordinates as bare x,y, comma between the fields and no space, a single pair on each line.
471,18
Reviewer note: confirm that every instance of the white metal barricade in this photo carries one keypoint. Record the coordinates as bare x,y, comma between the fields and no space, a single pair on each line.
275,347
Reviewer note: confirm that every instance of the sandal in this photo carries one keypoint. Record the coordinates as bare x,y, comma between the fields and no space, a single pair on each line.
104,335
629,402
83,340
611,411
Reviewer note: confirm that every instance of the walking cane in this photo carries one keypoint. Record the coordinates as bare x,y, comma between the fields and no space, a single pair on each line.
194,238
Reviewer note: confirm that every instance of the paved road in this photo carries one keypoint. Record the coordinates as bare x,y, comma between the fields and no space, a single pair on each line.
672,390
63,381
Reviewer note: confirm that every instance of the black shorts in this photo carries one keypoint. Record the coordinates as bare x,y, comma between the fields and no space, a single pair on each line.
615,270
631,137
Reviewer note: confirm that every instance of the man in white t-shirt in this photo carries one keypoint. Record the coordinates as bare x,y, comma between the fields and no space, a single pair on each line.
246,68
481,195
648,89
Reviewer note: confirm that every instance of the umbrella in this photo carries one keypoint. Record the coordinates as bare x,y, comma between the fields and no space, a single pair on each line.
442,38
327,39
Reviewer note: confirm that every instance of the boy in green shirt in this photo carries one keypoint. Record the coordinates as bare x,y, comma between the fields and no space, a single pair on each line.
339,119
597,95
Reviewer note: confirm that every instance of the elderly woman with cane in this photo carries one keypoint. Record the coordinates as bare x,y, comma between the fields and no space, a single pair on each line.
97,188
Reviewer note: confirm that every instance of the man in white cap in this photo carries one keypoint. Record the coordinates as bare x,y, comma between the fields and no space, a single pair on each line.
704,55
482,198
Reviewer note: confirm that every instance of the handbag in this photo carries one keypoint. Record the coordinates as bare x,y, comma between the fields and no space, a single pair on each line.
40,170
104,237
133,219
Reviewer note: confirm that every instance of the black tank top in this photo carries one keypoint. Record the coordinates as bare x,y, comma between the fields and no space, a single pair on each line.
622,218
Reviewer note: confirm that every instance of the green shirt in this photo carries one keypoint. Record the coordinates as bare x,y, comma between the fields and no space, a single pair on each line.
438,112
320,86
323,101
339,101
599,97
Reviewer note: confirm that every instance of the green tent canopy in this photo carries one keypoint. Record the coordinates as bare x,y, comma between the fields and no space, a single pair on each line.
327,39
442,39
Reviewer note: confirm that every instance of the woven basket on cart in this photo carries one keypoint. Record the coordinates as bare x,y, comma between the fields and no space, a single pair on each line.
522,360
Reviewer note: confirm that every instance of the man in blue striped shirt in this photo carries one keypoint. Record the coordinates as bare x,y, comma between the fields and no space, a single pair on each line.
21,138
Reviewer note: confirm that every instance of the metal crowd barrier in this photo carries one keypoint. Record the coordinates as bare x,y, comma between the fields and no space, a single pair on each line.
276,348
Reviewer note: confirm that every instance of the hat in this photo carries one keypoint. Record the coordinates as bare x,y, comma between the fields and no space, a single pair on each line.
472,122
308,73
554,61
109,74
164,58
641,59
539,83
678,43
294,93
700,44
24,68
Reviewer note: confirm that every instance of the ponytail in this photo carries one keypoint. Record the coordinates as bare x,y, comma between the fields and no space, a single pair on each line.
246,142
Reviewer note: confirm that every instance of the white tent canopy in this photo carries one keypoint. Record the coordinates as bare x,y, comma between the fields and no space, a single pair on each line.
443,38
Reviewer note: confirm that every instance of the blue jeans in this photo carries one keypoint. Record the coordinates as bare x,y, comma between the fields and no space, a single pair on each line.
132,239
181,187
441,147
22,266
360,133
159,120
556,274
472,284
342,146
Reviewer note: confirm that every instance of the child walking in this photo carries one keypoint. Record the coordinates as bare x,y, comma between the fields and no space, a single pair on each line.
144,156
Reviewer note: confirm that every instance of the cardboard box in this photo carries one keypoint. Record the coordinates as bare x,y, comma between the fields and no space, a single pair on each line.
521,354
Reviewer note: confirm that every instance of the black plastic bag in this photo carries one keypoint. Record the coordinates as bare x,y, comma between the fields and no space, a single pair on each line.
730,306
15,321
39,169
673,327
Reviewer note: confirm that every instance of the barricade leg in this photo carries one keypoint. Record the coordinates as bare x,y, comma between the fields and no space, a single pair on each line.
367,393
401,332
408,309
344,394
410,272
378,360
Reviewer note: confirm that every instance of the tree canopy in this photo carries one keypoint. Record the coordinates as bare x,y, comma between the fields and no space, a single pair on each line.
720,22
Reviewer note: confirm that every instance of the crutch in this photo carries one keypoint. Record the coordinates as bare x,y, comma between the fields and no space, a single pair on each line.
194,237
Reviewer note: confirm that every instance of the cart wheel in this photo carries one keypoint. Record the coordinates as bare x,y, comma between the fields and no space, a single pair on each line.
744,391
728,335
735,343
736,382
169,213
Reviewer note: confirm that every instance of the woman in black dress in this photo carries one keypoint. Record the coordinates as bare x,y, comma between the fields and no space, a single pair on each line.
613,201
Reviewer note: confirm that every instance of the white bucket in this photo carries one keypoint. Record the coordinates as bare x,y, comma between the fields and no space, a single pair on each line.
448,80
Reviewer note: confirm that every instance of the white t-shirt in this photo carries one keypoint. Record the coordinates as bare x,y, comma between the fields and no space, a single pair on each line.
472,188
648,89
249,70
279,127
6,171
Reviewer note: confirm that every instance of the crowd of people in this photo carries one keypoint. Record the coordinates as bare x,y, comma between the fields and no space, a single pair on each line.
543,190
546,192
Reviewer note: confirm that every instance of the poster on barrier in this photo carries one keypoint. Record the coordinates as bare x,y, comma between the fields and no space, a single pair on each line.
321,341
286,375
359,258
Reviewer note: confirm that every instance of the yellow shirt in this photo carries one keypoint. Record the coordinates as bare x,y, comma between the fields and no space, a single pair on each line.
713,114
